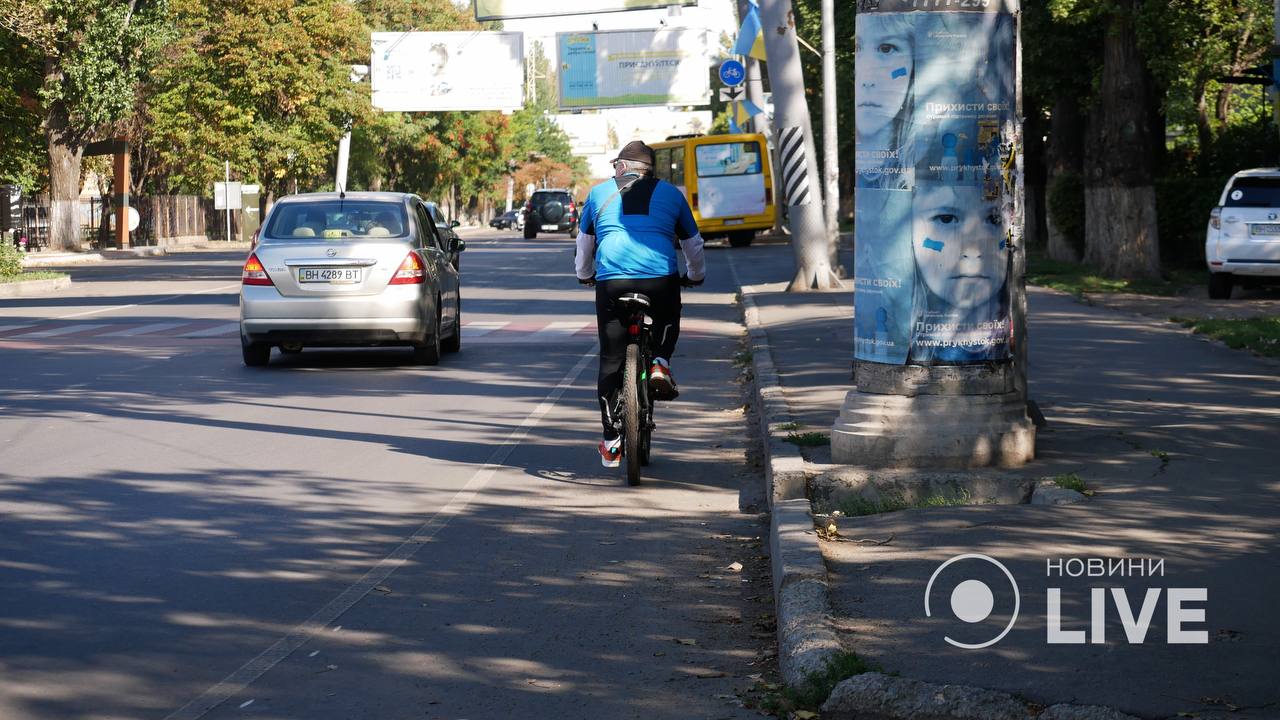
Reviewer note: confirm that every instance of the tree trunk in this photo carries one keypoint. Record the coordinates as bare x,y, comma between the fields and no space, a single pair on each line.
65,151
1064,156
1204,130
1121,238
813,252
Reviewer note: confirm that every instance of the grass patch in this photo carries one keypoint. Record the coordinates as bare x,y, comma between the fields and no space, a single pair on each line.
33,275
858,506
804,701
1260,335
1070,481
789,426
808,439
1080,279
743,358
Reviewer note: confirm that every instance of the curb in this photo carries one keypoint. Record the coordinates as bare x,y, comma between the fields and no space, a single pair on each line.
806,638
33,288
129,253
49,259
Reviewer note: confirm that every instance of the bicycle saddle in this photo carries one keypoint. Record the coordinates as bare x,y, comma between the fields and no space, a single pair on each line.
634,300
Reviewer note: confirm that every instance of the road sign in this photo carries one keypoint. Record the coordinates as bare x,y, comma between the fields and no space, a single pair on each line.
732,73
731,94
226,196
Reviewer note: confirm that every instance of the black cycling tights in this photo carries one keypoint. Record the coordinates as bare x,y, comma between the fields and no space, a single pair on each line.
664,296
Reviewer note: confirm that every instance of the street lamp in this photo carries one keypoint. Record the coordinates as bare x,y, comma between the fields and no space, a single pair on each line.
358,73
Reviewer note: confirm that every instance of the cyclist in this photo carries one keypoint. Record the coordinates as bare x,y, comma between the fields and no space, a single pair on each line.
628,234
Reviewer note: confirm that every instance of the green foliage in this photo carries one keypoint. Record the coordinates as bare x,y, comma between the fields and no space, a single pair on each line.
818,686
858,506
10,259
1079,279
1070,481
1066,208
1182,212
808,439
23,160
31,275
1260,335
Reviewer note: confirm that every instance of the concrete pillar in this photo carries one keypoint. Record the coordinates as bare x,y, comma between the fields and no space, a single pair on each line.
939,365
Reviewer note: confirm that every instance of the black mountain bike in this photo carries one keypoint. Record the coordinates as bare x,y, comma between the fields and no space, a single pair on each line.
635,422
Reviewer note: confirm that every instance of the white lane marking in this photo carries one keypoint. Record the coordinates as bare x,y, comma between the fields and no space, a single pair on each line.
377,575
223,329
64,330
144,329
146,302
482,327
561,329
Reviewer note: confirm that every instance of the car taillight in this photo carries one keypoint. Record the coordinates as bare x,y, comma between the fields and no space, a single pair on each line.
410,272
253,272
1215,218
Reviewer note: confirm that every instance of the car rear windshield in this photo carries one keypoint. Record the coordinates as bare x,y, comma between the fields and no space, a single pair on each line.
737,158
337,219
540,199
1254,192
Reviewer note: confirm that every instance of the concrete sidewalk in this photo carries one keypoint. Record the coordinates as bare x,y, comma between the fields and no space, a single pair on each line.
1176,434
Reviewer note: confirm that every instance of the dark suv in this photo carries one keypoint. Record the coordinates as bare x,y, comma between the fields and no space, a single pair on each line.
550,211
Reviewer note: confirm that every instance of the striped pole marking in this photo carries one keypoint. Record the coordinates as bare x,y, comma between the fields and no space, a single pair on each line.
795,167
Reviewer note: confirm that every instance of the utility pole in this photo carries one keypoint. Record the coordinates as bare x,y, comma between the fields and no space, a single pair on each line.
830,138
793,132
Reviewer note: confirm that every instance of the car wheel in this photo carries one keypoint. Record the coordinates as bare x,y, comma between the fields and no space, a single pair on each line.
255,354
454,343
1220,285
530,232
427,352
741,238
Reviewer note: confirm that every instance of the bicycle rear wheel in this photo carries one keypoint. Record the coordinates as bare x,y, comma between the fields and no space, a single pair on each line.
632,445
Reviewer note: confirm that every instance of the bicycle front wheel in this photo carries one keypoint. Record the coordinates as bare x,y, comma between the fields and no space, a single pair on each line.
632,418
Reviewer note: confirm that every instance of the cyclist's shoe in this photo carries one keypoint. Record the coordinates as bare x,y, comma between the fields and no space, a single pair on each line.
661,383
611,452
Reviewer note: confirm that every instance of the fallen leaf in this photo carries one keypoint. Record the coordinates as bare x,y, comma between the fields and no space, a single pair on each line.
659,654
804,715
735,567
382,589
608,542
686,641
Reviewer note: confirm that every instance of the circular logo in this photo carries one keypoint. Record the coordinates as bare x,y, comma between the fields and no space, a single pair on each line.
732,73
1237,194
973,601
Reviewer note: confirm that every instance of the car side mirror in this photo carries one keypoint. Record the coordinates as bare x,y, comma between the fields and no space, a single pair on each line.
458,245
454,223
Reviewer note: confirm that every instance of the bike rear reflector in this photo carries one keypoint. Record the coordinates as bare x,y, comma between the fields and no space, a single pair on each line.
410,272
634,330
253,273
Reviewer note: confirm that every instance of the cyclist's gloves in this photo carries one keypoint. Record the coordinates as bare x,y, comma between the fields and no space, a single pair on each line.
686,282
589,282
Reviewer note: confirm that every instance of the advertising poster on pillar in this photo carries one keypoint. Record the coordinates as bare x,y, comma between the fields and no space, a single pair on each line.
936,198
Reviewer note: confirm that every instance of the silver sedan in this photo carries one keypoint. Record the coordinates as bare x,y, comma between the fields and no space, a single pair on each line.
359,268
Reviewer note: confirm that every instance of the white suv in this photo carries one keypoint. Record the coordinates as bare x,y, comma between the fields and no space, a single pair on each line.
1243,237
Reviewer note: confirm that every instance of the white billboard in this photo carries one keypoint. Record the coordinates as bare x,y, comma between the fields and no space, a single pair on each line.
588,134
633,67
437,71
512,9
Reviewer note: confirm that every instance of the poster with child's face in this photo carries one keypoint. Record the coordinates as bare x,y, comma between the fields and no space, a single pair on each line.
936,208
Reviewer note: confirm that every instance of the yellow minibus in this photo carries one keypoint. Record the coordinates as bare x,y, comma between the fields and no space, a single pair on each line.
726,179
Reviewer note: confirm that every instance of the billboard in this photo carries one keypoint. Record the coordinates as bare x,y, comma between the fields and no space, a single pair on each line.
437,71
512,9
937,207
588,134
633,67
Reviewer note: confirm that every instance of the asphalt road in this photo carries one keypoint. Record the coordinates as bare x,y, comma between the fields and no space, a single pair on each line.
346,535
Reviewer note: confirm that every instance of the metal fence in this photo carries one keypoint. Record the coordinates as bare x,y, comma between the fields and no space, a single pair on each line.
25,219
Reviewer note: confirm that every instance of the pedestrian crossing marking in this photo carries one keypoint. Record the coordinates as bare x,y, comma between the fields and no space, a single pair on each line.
65,330
215,331
147,329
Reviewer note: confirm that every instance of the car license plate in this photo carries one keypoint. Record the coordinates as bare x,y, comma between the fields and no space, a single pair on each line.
734,222
1265,229
550,227
333,276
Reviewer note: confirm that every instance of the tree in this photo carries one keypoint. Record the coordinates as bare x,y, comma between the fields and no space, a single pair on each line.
24,161
91,55
263,83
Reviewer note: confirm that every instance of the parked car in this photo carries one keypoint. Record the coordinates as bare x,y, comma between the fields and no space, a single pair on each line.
550,210
446,228
505,221
1242,243
364,268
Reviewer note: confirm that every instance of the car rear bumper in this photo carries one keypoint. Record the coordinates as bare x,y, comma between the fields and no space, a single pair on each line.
390,317
1248,269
